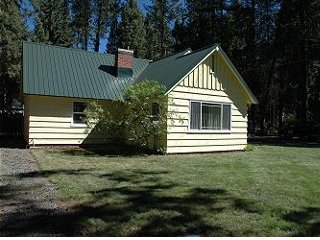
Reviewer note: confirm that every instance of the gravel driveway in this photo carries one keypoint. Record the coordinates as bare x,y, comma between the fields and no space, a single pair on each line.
28,204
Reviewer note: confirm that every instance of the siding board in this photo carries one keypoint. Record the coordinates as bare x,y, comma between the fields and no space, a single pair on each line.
206,136
50,119
205,142
76,130
63,141
199,149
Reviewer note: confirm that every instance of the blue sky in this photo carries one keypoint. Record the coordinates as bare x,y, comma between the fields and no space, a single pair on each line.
142,4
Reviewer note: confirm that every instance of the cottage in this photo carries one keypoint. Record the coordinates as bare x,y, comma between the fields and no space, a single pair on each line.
207,93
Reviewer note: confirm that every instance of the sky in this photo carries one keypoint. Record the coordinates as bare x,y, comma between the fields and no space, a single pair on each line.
142,4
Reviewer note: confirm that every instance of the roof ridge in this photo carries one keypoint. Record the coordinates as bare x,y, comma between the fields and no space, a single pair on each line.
200,49
65,48
187,49
75,49
172,55
206,47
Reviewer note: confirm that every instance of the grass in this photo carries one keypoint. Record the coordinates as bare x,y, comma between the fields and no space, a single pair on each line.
270,191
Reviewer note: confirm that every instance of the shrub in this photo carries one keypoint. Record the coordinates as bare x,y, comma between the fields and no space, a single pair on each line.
141,116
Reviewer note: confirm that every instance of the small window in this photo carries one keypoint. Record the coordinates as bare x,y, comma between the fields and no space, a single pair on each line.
210,116
195,115
155,111
78,112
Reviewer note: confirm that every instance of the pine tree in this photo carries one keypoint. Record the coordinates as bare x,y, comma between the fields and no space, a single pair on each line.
180,33
82,22
102,14
12,32
114,37
160,15
114,33
53,25
298,29
314,67
236,37
133,33
151,39
206,22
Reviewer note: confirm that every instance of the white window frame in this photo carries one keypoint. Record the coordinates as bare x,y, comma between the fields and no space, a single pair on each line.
74,124
209,130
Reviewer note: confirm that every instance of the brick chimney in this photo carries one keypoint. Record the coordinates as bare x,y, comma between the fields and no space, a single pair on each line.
124,63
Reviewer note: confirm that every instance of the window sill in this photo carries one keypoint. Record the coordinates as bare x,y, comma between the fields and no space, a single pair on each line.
78,125
209,131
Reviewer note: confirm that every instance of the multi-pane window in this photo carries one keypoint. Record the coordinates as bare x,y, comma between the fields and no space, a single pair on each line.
78,112
210,116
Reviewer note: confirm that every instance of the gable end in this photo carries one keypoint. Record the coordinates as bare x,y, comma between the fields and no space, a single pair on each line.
216,72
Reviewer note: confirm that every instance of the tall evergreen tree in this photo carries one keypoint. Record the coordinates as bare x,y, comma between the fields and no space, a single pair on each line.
114,33
133,34
12,32
151,39
265,56
114,37
102,14
160,15
206,22
313,41
180,35
53,24
82,22
298,28
236,20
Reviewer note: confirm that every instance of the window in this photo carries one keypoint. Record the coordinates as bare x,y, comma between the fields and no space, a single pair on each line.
78,112
155,111
210,116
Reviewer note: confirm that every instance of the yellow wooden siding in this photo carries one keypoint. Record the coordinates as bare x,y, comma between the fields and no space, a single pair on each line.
202,76
50,122
203,85
205,142
63,141
220,77
26,118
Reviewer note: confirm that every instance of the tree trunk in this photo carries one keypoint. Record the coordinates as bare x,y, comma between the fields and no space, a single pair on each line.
302,96
98,31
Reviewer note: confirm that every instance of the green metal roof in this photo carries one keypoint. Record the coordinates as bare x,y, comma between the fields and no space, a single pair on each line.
66,72
170,70
58,71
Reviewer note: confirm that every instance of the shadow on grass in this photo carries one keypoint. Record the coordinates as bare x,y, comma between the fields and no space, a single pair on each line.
104,150
308,220
142,203
34,174
277,141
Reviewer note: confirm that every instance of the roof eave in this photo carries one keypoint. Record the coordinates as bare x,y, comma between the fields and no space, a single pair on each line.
252,97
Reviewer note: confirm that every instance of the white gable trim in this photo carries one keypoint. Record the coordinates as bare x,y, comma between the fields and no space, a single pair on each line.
239,77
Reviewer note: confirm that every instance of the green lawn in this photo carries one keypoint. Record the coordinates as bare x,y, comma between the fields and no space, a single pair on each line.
271,191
